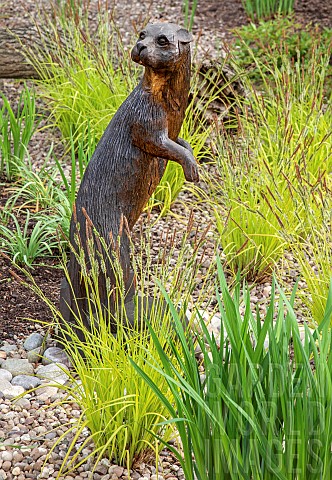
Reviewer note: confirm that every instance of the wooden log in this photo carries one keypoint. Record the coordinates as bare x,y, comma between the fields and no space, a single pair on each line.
13,63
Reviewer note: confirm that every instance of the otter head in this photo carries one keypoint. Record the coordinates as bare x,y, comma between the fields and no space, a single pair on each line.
162,46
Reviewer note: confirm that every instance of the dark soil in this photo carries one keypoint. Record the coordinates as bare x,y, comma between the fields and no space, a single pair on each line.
17,302
231,14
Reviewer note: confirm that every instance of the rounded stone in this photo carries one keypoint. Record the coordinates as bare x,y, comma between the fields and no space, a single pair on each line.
35,354
8,347
26,381
33,341
18,366
23,402
37,452
45,473
4,384
16,471
55,355
6,466
53,373
7,456
5,375
216,323
46,393
116,470
17,456
13,391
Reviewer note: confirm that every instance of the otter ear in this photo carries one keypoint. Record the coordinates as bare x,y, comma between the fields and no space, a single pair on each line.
184,36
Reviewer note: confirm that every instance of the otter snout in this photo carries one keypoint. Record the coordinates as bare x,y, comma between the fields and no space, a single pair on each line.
136,52
140,46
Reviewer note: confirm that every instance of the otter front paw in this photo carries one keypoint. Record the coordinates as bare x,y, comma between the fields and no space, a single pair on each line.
191,172
184,144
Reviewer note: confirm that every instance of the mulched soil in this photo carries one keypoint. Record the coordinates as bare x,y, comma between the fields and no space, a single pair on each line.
19,303
16,301
231,14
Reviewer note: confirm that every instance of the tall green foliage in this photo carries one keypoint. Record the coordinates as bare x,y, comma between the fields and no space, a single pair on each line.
189,10
315,259
80,73
262,9
16,129
259,410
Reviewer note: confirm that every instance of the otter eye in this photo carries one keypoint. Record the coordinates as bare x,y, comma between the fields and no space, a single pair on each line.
162,40
142,35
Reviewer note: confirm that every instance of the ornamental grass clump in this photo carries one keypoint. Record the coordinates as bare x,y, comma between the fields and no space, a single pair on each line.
85,74
34,189
121,417
248,224
273,176
315,259
16,129
29,241
262,409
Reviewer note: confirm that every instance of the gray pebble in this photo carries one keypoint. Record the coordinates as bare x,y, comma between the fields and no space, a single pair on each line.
101,469
6,466
12,392
18,366
55,355
38,452
215,323
23,402
6,456
4,384
46,393
8,347
53,372
45,473
35,354
33,341
26,381
5,375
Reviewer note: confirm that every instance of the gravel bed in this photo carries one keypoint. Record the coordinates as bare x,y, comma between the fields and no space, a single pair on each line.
32,425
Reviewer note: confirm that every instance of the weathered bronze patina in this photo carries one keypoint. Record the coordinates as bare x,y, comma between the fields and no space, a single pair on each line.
131,157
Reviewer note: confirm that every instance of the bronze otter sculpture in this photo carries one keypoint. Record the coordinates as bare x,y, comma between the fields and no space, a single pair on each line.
131,158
